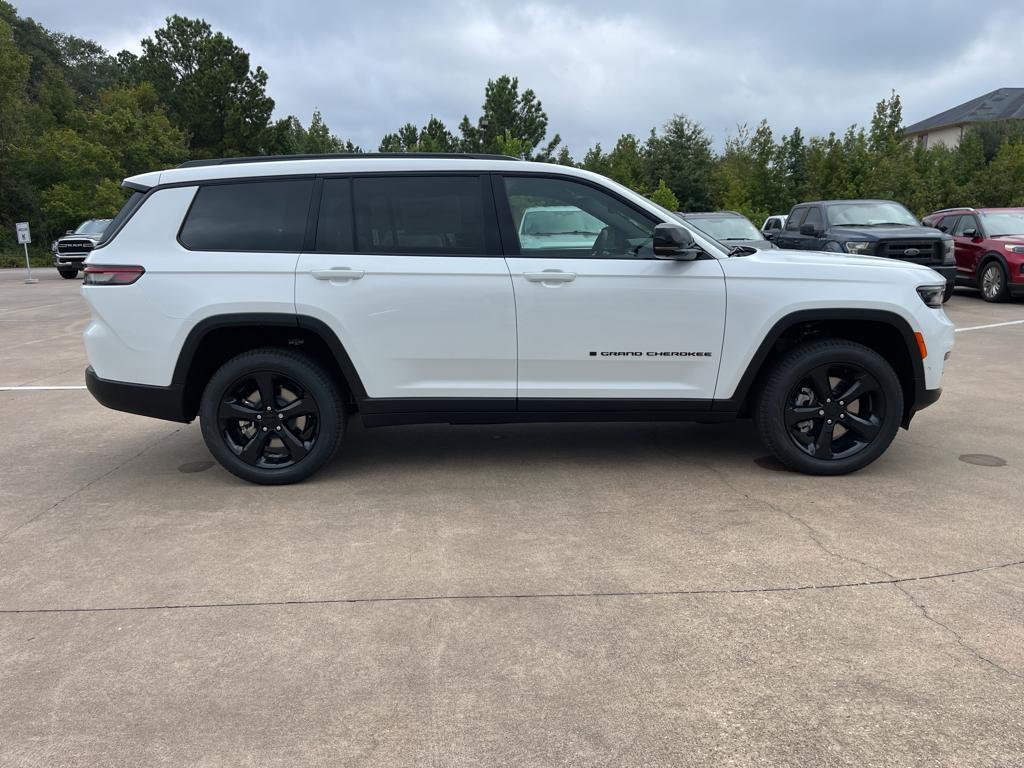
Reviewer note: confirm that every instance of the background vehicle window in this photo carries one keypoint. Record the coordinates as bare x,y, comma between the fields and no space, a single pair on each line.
429,215
248,216
334,224
795,219
947,223
814,217
966,224
560,218
774,224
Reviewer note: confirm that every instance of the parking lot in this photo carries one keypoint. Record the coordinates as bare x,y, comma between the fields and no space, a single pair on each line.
581,594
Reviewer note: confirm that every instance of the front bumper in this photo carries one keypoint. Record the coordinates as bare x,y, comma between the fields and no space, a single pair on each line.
949,273
69,259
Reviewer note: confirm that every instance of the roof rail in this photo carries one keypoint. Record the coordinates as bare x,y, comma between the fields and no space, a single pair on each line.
955,208
343,156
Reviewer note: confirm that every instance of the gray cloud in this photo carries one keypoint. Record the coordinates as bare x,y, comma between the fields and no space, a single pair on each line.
601,68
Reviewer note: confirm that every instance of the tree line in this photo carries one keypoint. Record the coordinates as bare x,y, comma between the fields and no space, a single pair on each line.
76,119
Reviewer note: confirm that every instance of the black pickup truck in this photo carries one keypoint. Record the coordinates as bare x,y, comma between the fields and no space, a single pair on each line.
872,228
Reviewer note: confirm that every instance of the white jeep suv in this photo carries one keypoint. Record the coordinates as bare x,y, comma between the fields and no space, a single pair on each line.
275,297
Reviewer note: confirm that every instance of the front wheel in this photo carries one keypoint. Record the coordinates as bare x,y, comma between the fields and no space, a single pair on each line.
829,407
68,274
272,416
992,282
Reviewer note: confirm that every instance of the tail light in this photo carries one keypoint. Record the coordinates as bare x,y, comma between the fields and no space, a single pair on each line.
102,274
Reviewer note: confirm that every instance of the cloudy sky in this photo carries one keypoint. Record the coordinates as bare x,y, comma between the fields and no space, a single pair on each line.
601,67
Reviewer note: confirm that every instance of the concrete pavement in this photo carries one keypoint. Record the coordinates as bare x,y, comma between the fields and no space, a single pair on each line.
577,594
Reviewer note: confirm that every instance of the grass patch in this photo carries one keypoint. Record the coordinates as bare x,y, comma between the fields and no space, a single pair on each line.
38,257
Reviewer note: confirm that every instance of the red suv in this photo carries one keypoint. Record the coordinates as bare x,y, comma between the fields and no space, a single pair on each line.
989,248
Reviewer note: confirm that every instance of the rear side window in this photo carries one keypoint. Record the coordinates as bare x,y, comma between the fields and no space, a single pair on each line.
334,232
248,216
795,219
946,223
421,215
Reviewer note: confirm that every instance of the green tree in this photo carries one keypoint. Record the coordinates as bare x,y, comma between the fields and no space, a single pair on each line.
510,121
205,81
664,197
681,155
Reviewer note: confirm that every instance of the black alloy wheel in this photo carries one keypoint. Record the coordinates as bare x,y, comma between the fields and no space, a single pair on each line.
829,407
272,416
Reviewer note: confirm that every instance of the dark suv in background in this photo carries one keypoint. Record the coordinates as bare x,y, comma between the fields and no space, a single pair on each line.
989,248
871,228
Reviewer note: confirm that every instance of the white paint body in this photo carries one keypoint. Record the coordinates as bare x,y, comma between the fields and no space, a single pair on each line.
487,326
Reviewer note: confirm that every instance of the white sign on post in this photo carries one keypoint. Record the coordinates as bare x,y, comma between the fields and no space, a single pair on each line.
24,238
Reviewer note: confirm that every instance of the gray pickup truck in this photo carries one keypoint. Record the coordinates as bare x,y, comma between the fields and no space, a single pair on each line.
70,250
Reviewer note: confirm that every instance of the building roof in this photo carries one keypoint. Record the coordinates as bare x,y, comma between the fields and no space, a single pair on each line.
1000,104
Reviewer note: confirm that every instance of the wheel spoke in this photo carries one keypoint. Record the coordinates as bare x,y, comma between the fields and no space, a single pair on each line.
296,447
820,382
860,386
265,383
866,429
253,450
237,412
797,413
296,408
823,444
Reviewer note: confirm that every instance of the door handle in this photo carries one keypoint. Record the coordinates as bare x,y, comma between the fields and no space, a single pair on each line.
550,276
338,273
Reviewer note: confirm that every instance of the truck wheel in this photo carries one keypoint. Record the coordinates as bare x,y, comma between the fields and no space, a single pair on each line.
272,416
992,282
829,407
68,274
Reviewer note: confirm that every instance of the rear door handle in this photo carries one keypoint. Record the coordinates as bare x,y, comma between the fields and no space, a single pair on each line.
550,276
338,273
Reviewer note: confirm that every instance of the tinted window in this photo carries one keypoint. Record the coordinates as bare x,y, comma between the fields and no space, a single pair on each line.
966,224
334,225
248,216
946,223
129,207
795,219
560,218
420,215
814,218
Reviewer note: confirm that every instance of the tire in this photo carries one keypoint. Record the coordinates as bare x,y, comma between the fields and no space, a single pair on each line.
68,274
811,380
291,447
992,281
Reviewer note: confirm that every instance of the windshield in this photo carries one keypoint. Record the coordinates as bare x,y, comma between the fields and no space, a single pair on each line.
869,214
1004,223
92,227
560,221
727,228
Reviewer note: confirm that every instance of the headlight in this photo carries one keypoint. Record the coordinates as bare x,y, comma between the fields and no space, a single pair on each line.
1014,248
948,247
858,246
931,295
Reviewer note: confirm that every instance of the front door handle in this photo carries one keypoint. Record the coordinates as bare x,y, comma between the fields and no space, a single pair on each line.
550,276
338,273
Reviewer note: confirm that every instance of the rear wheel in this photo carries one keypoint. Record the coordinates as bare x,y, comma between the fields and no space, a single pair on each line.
272,416
992,282
830,407
68,274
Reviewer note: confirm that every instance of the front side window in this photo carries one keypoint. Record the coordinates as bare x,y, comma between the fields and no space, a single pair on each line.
946,223
561,218
814,219
795,219
965,225
420,215
254,216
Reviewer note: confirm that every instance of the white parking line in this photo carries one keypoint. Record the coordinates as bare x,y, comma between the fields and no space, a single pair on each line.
34,389
991,325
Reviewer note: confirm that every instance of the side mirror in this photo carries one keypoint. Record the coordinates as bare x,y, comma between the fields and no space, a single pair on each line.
674,242
808,229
